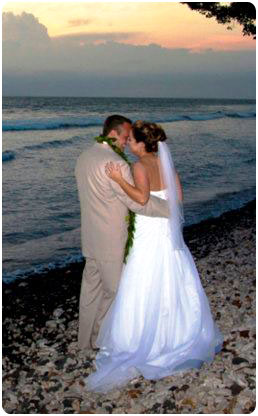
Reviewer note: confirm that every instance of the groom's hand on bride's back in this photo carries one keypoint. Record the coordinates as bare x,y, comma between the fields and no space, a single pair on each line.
113,171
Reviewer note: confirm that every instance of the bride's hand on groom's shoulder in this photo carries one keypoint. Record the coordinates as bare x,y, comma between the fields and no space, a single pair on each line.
113,171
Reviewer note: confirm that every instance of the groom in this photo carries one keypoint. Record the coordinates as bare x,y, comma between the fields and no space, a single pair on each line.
104,206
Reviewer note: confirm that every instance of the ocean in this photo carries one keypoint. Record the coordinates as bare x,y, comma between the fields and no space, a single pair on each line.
212,142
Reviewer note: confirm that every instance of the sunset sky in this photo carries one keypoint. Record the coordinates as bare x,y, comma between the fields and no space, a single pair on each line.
156,38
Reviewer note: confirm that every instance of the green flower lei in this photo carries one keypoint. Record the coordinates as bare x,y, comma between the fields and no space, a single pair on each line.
130,218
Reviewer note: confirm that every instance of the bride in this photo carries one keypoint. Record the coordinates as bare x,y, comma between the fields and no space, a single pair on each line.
160,321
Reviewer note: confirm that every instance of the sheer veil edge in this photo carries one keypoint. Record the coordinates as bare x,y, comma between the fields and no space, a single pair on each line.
176,219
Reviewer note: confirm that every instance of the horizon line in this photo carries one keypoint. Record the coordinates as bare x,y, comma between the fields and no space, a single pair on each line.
130,97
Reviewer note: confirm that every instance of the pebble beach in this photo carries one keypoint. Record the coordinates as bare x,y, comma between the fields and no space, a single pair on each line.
44,372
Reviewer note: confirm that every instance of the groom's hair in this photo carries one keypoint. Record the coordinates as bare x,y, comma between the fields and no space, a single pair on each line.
114,122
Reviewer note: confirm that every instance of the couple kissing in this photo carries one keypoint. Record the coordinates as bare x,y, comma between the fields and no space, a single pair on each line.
142,305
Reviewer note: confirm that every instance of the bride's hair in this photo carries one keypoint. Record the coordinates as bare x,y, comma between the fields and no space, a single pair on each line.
149,134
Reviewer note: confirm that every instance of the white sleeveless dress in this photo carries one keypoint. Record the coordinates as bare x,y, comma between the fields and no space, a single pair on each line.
160,321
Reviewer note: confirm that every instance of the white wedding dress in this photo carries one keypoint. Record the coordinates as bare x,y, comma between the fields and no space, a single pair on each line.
160,321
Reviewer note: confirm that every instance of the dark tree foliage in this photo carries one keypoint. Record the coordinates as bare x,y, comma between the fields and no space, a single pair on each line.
243,13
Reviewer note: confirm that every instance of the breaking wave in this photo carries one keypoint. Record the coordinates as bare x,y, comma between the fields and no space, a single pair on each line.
80,122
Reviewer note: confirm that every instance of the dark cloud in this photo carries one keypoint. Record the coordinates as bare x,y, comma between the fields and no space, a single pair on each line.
198,85
23,28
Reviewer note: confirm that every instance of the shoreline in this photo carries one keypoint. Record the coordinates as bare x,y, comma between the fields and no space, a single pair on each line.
201,227
40,324
15,272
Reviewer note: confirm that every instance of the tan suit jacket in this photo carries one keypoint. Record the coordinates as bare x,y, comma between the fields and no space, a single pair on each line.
104,205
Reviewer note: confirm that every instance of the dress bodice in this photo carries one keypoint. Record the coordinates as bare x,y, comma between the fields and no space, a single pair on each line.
160,194
146,225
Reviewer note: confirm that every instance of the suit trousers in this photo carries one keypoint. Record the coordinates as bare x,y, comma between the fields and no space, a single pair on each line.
100,282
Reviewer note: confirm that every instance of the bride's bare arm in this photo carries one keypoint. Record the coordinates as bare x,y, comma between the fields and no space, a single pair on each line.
179,188
140,192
